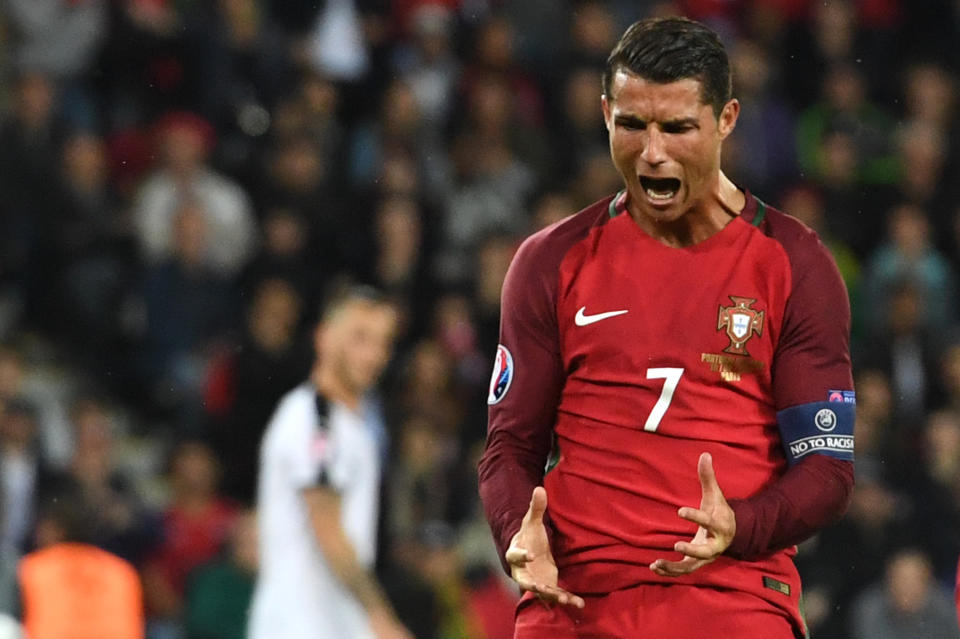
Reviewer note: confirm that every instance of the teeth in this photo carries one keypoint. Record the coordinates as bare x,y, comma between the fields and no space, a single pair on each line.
660,195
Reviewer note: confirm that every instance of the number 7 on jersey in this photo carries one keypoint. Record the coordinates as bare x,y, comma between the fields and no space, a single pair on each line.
671,377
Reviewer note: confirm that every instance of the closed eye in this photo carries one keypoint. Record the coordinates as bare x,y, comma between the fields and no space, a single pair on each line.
680,126
630,124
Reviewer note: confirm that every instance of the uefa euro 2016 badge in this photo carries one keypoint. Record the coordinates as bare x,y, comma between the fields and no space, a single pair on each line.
502,375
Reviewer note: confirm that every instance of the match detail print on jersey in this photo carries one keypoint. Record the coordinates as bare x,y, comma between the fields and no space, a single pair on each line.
502,375
739,322
582,319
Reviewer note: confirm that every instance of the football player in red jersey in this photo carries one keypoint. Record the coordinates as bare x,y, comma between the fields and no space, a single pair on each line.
672,403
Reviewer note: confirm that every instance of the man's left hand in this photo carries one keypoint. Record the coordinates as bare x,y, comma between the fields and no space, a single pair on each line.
717,525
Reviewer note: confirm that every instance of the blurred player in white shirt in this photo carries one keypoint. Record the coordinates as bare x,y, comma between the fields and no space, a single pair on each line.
319,487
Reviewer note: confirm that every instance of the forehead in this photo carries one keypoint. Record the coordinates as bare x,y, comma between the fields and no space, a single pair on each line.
634,95
362,316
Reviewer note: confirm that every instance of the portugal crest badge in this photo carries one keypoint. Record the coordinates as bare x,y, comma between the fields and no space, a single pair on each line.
741,322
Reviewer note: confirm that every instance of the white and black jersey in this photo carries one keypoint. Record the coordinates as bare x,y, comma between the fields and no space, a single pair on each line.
311,442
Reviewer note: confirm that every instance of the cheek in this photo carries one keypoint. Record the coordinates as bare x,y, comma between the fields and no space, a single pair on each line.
623,152
699,161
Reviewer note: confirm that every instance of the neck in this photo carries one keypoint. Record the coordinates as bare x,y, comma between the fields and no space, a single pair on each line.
723,202
333,388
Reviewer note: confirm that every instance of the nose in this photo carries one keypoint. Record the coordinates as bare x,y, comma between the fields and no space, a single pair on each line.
654,151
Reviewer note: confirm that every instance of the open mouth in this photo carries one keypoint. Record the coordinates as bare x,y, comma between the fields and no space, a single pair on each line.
660,188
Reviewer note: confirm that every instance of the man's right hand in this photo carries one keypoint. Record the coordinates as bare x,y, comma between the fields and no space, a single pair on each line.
531,562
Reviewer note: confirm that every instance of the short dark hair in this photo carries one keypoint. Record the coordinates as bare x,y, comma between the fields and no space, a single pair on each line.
343,290
670,49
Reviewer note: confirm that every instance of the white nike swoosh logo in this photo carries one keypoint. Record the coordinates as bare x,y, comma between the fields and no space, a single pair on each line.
582,319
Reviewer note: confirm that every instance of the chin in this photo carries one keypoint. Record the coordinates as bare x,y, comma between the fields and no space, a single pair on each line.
665,215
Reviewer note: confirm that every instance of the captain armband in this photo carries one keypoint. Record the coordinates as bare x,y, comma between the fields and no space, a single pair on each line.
824,428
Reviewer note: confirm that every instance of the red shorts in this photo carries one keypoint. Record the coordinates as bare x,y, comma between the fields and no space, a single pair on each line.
656,612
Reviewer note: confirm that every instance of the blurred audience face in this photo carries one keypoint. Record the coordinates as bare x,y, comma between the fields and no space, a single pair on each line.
844,89
274,315
320,97
873,505
905,312
284,233
950,372
34,100
551,208
243,19
582,99
92,461
922,155
85,162
400,114
494,45
750,65
491,107
931,94
834,29
297,165
430,368
194,471
399,174
942,446
11,373
243,542
431,26
593,30
839,159
805,205
874,397
184,145
597,178
453,325
420,446
17,427
909,581
493,259
397,228
93,429
909,230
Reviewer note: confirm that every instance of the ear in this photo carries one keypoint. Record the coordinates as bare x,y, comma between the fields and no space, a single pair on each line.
607,111
728,118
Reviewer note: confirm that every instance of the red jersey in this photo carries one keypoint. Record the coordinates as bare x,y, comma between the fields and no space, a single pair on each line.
627,359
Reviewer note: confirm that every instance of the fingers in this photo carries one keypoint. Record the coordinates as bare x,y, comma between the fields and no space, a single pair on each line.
518,556
538,506
708,478
685,566
696,515
552,594
698,551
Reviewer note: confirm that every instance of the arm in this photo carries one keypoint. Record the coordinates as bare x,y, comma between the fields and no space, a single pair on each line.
813,493
524,393
812,359
521,417
323,506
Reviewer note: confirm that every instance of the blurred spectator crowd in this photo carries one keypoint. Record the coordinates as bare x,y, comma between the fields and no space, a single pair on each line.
181,180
